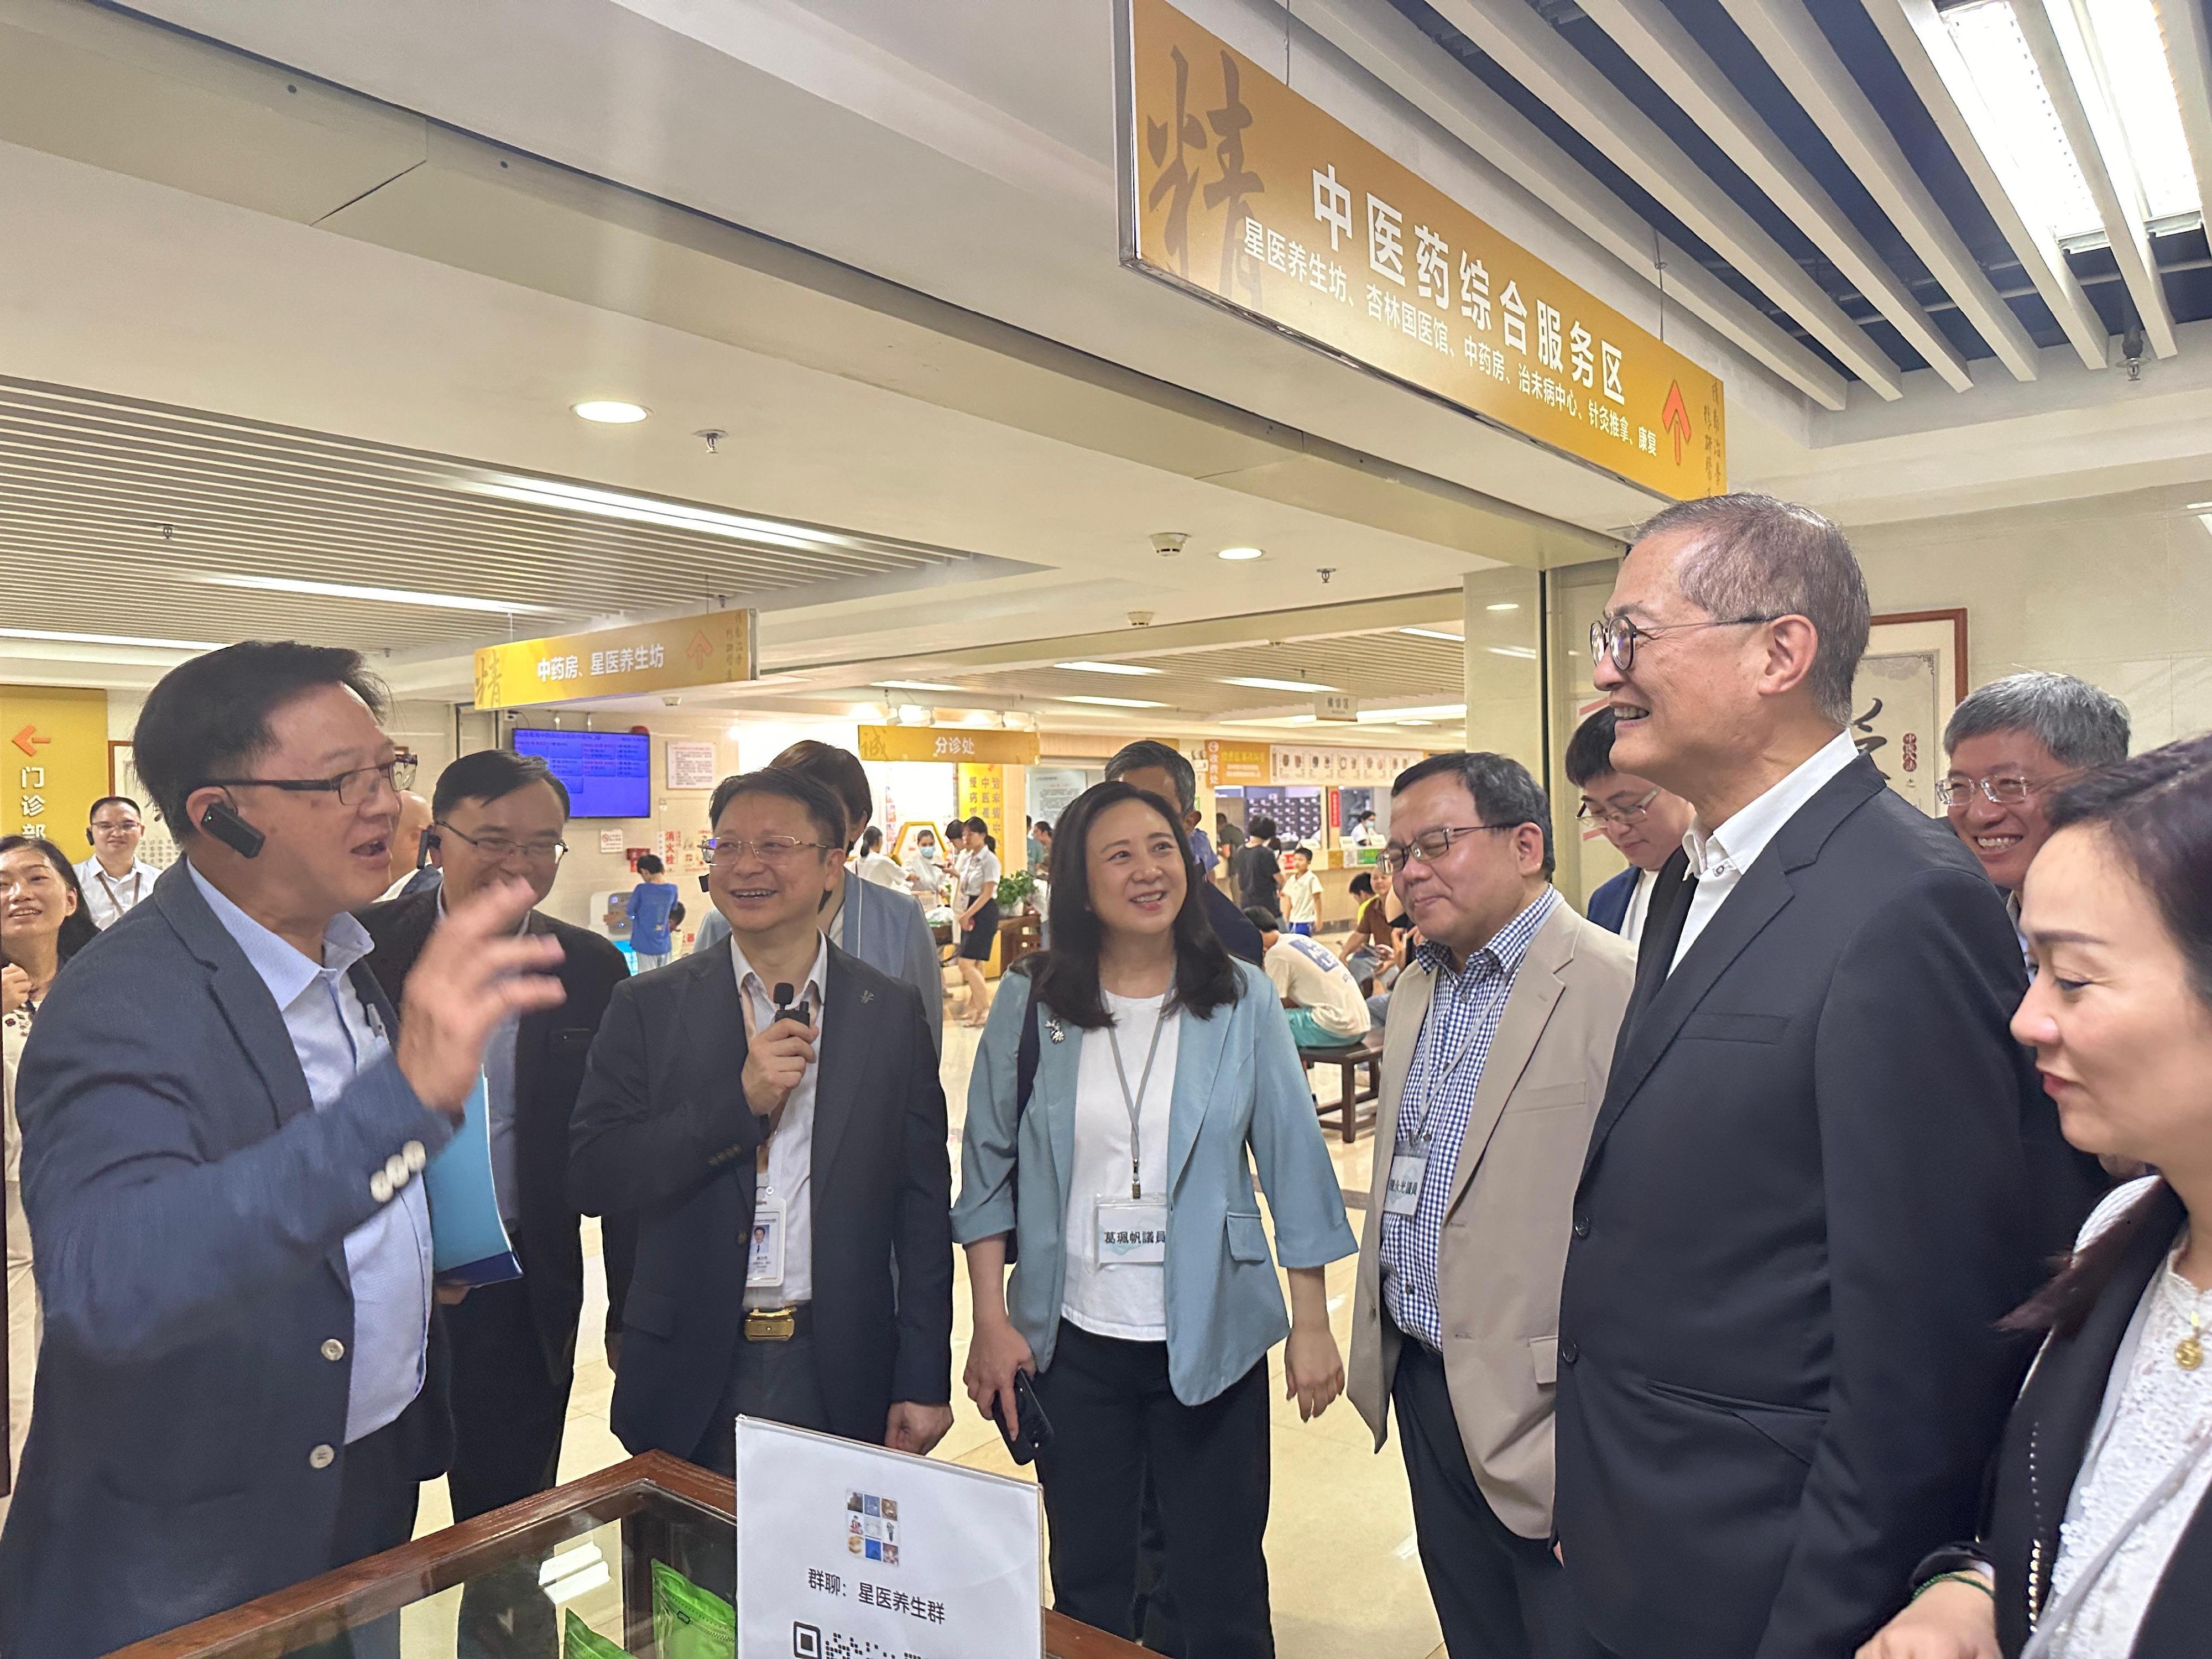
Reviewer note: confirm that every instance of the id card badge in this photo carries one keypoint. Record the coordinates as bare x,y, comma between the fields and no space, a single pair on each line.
1132,1232
1402,1194
764,1267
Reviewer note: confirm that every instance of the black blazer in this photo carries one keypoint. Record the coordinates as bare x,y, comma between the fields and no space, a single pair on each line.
550,1051
662,1128
1823,1171
2044,1443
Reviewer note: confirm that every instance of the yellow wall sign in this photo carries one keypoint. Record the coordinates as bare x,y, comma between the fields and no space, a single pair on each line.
715,648
1234,187
54,746
1229,764
957,745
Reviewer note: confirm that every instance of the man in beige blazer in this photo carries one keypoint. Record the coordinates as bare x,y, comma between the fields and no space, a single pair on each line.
1499,1034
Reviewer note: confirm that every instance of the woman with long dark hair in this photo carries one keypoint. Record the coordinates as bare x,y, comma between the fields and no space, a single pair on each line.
1145,1302
2098,1543
43,923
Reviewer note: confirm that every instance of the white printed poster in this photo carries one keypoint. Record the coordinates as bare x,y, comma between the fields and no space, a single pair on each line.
691,765
852,1551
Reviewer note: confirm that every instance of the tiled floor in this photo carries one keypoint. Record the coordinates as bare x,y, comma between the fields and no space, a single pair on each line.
1344,1575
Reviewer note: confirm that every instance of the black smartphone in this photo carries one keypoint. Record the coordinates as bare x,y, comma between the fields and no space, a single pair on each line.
1034,1431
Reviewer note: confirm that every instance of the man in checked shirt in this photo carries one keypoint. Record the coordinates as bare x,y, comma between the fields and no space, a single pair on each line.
1501,1032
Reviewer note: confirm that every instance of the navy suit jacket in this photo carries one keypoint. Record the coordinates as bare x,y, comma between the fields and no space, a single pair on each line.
663,1130
188,1209
1608,906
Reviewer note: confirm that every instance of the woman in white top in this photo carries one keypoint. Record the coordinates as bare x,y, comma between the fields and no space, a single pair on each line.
2098,1543
42,922
977,907
924,868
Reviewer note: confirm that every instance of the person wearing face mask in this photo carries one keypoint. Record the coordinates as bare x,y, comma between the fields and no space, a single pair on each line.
1163,1066
43,923
114,879
1644,824
2096,1540
241,1381
2010,744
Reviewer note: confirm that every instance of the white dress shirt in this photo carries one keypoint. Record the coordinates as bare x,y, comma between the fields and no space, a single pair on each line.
1125,1301
388,1255
1639,907
790,1172
107,898
1719,857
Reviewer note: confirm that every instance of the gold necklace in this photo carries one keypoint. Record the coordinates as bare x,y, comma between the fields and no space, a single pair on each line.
2189,1352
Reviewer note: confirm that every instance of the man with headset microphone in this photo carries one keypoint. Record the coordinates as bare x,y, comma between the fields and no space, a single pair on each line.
224,1120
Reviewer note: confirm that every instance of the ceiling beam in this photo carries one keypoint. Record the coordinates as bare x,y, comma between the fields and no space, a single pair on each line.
1543,61
1799,53
1658,44
1383,42
2074,77
1924,50
2188,54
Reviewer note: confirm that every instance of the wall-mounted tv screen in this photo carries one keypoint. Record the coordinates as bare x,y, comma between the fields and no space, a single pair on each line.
609,775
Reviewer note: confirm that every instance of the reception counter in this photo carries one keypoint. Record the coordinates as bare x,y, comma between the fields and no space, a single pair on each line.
505,1584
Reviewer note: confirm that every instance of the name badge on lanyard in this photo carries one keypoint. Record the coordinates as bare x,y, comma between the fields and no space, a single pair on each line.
1132,1232
1401,1191
764,1265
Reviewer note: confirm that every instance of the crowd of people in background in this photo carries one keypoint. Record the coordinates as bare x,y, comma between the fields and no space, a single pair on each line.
1706,1250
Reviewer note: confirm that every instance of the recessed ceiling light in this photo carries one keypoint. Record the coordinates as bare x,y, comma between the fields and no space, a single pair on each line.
1509,605
1106,667
107,639
611,412
1259,683
915,685
1433,634
1113,702
382,595
1238,553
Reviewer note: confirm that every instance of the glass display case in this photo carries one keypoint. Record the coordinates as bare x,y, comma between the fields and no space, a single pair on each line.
614,1564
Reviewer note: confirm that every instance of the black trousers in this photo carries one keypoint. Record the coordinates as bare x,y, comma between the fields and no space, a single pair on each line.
508,1409
1114,1414
778,1380
1498,1596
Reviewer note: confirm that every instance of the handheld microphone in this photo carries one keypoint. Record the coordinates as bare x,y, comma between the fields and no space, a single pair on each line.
221,821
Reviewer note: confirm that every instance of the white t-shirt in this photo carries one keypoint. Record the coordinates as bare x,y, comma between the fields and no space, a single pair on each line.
979,872
1123,1300
1309,976
1302,897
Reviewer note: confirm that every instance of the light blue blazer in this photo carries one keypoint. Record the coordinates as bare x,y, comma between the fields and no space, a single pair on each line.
885,929
1239,1090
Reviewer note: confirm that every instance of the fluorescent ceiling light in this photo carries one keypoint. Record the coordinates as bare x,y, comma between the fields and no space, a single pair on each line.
2022,124
1510,604
1259,683
1401,721
1106,668
1434,634
1113,702
1238,554
645,509
2129,41
1435,711
611,412
382,595
915,685
107,639
1527,652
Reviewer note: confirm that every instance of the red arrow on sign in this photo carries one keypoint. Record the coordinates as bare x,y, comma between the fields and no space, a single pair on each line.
700,649
1675,417
30,741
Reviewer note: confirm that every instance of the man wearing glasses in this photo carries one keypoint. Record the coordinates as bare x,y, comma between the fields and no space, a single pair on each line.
2011,744
770,1111
1822,1172
223,1117
498,818
114,879
1644,824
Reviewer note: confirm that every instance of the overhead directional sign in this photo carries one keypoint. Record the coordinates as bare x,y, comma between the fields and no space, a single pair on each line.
715,648
1237,189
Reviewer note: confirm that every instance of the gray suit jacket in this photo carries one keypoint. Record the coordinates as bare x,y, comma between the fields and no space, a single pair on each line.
1504,1245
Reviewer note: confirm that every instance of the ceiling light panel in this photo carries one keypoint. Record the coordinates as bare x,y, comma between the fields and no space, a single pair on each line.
58,638
2129,40
1106,667
610,411
1113,703
2022,122
1260,683
377,595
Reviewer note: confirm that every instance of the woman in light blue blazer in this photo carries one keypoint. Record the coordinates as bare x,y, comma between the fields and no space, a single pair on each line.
1145,1301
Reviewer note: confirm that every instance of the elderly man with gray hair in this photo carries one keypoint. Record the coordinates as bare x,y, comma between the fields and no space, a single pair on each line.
2011,745
1822,1171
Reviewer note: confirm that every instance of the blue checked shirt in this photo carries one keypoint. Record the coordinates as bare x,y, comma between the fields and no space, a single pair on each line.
1464,1010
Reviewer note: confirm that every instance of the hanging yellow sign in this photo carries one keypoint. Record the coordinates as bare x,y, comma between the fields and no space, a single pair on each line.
715,648
54,742
929,743
1237,189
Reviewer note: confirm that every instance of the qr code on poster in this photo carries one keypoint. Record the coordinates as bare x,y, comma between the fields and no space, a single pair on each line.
872,1527
808,1641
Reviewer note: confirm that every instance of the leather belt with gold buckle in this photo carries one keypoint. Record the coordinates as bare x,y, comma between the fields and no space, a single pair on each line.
771,1324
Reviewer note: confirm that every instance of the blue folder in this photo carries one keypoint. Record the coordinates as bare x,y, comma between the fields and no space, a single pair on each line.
468,1240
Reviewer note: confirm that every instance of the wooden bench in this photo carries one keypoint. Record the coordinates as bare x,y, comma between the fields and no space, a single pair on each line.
1351,1096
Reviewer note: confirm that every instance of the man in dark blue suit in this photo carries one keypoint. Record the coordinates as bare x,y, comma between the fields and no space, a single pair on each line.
1644,822
222,1123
